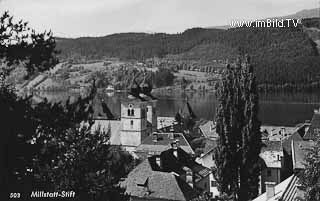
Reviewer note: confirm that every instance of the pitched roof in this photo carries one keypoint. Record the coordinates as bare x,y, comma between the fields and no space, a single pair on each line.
186,111
144,182
163,143
101,109
286,143
271,153
208,129
314,129
280,190
291,192
209,146
299,149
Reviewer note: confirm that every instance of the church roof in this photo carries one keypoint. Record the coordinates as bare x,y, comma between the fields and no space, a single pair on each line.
186,111
101,109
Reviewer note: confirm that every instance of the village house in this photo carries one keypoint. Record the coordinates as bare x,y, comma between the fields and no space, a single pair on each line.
172,175
290,189
272,163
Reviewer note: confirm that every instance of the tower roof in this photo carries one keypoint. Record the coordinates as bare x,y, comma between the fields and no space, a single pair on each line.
145,86
134,88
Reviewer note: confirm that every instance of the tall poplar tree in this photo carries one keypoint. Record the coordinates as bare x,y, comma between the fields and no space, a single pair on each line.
239,144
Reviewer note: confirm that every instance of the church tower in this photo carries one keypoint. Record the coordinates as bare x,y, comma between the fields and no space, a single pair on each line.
133,118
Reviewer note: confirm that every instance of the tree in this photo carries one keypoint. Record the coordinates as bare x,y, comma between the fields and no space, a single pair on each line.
239,144
310,177
19,44
49,146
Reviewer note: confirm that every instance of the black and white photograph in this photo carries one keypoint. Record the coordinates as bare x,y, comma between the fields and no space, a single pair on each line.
160,100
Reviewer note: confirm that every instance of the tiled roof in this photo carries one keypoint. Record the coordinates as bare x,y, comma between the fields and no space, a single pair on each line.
163,143
143,182
314,129
272,153
299,149
209,130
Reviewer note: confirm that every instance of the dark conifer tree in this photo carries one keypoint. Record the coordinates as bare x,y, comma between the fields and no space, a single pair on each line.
239,144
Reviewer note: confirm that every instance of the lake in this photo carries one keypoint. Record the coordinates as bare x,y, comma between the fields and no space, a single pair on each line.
287,109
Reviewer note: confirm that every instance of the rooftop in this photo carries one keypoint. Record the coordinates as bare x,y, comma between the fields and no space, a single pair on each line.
299,149
208,129
158,142
286,143
144,182
277,133
280,190
272,153
314,128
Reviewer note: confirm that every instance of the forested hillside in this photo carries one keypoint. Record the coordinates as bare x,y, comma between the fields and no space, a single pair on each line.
282,56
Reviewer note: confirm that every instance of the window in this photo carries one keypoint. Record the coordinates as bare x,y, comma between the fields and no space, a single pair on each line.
131,123
269,173
130,112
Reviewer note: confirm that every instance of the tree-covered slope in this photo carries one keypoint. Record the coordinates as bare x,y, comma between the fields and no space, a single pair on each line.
282,56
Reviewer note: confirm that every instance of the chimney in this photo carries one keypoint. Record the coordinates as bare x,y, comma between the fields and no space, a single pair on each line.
172,128
283,131
171,136
158,161
189,176
270,190
155,137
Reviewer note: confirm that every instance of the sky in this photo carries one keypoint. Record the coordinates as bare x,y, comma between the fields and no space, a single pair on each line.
75,18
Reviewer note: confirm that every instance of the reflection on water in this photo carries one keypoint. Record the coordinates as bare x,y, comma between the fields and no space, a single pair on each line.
275,108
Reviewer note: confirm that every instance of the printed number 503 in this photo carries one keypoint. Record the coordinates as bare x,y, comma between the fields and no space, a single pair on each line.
14,195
